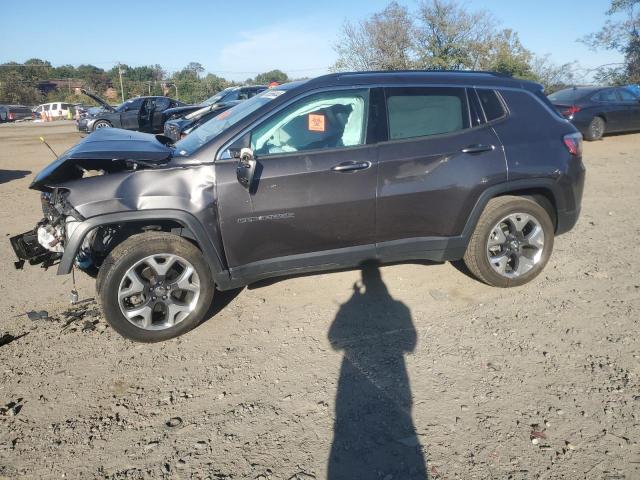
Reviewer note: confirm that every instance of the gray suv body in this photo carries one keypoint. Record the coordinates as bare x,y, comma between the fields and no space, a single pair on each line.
316,175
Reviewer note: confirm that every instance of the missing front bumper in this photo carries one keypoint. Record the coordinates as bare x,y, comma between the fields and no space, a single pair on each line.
27,249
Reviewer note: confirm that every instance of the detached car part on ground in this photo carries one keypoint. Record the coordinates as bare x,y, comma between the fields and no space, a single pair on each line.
145,114
316,175
596,111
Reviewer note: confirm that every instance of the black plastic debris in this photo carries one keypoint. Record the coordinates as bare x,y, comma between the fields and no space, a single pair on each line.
174,422
12,408
7,338
83,316
41,315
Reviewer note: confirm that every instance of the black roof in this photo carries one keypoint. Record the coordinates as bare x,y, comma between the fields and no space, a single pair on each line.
470,77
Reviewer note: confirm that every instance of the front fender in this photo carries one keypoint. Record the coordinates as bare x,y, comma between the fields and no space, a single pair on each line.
213,257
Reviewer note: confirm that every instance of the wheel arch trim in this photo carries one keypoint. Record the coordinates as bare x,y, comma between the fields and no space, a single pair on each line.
515,186
211,254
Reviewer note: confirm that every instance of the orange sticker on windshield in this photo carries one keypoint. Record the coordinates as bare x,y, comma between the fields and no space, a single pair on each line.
224,114
316,122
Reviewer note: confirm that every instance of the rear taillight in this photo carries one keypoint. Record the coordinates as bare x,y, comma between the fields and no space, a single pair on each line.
573,142
11,117
572,110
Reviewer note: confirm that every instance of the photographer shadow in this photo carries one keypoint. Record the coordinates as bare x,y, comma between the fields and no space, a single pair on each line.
374,434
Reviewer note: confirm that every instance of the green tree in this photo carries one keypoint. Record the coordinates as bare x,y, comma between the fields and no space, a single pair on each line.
451,37
385,41
272,76
621,32
506,54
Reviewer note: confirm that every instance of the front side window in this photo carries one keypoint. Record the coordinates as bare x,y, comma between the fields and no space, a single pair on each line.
607,96
626,95
319,121
423,111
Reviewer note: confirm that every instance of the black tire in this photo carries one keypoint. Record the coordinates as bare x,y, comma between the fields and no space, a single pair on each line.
133,250
476,257
101,124
596,129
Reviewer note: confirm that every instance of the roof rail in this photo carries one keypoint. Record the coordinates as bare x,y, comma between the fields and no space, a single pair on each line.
435,70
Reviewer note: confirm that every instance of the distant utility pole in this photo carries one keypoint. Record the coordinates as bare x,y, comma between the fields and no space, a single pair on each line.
121,87
149,88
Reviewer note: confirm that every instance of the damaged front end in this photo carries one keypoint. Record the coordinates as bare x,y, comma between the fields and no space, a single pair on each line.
44,244
104,153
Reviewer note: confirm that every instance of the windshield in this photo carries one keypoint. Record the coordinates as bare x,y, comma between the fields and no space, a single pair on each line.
567,95
214,127
218,96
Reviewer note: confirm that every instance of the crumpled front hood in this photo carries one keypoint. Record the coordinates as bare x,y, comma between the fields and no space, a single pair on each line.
108,149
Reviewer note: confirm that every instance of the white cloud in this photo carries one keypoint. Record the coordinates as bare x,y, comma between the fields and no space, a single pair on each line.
297,48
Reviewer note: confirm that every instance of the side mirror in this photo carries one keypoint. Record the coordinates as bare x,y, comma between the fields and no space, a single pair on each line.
246,168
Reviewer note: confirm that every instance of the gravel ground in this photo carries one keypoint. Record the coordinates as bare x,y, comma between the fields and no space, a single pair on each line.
409,371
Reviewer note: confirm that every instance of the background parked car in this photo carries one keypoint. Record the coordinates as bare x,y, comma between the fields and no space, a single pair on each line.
12,113
54,110
144,114
231,94
181,127
599,110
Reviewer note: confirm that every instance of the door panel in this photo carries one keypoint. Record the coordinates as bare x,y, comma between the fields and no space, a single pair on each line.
314,188
631,119
427,186
160,105
433,170
300,205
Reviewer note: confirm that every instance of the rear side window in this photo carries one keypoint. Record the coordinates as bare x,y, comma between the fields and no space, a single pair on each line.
606,96
491,104
419,112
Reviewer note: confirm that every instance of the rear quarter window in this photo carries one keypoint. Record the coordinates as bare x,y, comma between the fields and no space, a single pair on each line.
491,104
423,111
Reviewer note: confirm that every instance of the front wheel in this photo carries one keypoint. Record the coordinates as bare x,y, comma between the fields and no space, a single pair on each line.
101,124
155,286
512,242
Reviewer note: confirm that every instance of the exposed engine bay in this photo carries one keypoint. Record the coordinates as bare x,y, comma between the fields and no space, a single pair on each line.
44,244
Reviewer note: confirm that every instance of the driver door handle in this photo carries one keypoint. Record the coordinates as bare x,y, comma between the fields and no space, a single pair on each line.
478,148
351,166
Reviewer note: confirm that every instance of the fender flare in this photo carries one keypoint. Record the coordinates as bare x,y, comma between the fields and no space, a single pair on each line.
548,184
212,256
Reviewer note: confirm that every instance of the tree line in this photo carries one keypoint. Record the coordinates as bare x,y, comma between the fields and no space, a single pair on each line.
19,81
443,34
436,34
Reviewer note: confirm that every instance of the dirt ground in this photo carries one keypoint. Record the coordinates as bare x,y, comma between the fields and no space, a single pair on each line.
426,372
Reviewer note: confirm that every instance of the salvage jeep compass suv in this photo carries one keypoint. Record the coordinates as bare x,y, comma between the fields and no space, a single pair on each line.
314,175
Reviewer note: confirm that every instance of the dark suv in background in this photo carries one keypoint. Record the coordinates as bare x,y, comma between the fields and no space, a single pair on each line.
13,113
314,175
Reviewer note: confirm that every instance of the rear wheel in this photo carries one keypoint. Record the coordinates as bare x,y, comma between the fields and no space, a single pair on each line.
512,242
155,286
596,129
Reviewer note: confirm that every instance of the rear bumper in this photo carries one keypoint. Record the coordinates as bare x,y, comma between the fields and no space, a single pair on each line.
82,126
572,186
27,249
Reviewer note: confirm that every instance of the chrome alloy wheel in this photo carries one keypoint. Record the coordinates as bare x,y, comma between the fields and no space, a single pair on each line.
159,291
515,244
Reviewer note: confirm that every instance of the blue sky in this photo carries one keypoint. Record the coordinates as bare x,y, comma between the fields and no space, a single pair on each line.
239,39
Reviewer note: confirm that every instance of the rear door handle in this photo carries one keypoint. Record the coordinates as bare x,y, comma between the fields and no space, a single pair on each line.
478,148
351,166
